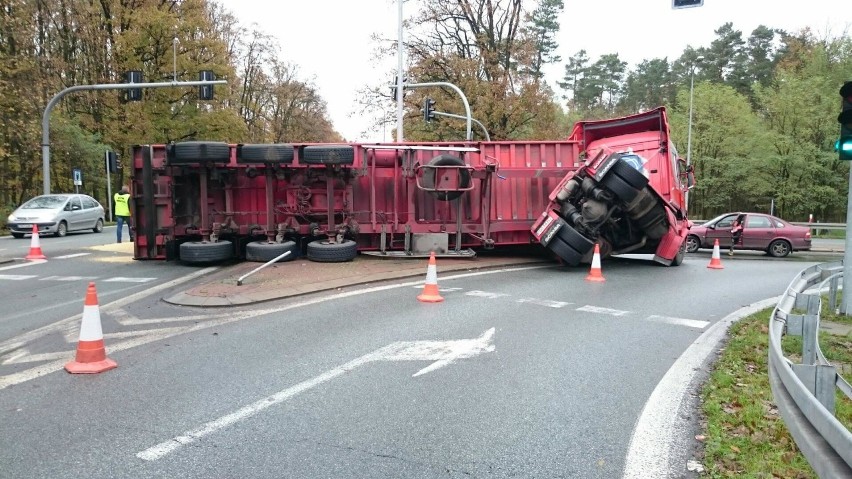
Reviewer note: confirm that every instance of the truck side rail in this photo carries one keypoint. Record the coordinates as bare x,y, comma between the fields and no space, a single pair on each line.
805,393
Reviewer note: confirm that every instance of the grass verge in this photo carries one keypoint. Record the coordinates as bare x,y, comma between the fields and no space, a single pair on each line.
744,435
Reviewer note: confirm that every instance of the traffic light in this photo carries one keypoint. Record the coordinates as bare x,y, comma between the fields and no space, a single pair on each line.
687,3
205,92
428,109
133,94
112,162
393,86
844,144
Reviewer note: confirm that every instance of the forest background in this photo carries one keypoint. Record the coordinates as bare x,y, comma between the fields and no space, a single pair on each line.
764,107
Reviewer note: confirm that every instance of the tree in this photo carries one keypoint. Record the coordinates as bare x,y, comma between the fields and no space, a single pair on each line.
543,25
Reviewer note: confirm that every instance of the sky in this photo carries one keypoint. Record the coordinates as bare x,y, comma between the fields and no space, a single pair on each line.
330,40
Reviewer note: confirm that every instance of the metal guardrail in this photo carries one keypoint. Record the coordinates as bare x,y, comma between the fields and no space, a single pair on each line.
805,393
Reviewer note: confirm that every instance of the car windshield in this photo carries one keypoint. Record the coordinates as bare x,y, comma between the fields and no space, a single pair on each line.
44,202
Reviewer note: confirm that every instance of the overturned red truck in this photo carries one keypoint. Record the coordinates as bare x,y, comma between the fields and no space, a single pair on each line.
618,183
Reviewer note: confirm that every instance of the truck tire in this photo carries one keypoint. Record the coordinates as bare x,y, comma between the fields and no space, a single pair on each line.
206,252
327,155
574,239
630,175
681,252
619,187
568,254
324,251
428,179
265,153
198,152
264,251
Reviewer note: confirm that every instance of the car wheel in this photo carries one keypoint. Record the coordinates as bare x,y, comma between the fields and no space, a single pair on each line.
779,248
206,252
17,235
99,226
324,251
62,229
692,244
264,251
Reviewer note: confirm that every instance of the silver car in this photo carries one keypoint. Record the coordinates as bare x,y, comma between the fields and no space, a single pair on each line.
57,214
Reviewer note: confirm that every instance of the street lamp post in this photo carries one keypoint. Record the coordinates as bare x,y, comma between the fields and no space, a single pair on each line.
689,127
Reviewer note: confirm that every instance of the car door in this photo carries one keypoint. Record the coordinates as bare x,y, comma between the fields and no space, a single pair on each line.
90,212
721,231
758,232
76,217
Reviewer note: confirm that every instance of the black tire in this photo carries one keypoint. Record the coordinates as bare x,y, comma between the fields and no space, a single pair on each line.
264,251
327,155
17,235
779,248
99,226
62,229
620,188
323,251
692,243
575,240
265,153
568,254
198,152
681,252
429,176
630,175
206,252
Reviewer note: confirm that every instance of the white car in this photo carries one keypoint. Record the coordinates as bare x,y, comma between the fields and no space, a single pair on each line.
57,214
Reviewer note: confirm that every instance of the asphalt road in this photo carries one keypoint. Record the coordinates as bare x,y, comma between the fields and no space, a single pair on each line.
526,373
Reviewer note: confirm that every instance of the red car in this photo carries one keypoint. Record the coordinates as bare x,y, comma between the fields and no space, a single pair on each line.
761,233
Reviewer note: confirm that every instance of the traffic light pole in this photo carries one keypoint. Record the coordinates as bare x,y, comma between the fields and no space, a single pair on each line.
109,186
457,90
45,120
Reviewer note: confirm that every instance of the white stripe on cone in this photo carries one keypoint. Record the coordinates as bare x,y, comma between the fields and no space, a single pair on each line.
90,329
431,274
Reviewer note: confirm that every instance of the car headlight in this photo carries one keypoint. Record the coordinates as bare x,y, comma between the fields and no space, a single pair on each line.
11,219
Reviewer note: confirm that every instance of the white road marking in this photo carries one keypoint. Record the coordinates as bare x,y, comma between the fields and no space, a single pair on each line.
17,277
122,279
443,290
544,302
23,265
445,352
75,255
692,323
659,428
485,294
124,318
597,309
69,278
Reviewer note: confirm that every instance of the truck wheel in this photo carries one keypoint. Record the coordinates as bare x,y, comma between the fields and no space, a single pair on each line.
779,248
206,252
692,244
265,153
264,251
567,253
619,187
681,252
324,251
198,152
428,178
630,175
327,155
575,240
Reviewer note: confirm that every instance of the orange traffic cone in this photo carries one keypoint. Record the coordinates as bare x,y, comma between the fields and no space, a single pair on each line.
91,355
716,259
35,246
595,273
430,292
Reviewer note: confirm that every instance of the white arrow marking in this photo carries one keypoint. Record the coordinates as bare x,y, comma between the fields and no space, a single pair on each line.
122,279
597,309
69,278
485,294
17,277
23,265
692,323
444,352
75,255
544,302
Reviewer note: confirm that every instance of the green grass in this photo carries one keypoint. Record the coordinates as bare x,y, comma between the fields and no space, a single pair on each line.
745,436
829,234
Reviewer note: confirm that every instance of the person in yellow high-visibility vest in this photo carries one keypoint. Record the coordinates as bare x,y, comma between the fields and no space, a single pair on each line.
122,212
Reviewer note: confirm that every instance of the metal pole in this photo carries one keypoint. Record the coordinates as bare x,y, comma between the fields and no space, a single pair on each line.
457,90
45,119
399,103
109,187
689,134
451,115
847,255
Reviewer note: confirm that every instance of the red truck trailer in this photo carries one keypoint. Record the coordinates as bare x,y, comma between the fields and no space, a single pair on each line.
207,201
